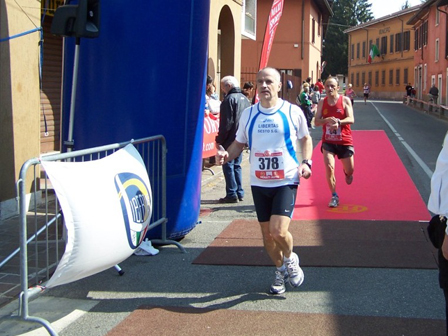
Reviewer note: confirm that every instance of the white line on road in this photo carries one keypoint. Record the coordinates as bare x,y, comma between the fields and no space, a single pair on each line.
405,144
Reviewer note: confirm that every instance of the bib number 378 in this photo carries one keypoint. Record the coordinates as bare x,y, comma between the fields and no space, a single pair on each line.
270,166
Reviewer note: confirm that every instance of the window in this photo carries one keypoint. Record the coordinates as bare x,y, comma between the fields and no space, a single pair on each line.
391,77
437,50
319,24
351,77
383,77
425,75
405,76
425,33
378,44
363,78
313,27
384,45
391,50
352,51
437,17
407,40
363,50
357,50
369,81
249,18
377,78
398,42
397,76
357,79
417,31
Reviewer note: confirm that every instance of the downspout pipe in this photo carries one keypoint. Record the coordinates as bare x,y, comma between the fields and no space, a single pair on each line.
303,29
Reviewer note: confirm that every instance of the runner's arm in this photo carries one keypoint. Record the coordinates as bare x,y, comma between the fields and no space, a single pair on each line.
232,152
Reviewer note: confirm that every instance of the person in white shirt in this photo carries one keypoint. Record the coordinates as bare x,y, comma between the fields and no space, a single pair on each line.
272,128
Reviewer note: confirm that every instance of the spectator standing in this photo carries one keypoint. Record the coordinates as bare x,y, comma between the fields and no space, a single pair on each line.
231,107
248,90
320,85
434,93
272,129
305,103
409,90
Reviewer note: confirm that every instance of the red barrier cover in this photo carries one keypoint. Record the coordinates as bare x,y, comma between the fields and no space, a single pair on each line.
211,127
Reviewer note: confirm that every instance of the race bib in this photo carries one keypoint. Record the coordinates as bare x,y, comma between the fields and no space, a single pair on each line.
333,135
269,165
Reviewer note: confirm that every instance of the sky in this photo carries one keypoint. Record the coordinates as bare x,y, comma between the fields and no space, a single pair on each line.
382,8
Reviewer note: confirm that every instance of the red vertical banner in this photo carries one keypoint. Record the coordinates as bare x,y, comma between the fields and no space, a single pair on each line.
271,26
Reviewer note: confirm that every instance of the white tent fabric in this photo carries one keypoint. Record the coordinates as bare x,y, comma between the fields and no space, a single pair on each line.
106,205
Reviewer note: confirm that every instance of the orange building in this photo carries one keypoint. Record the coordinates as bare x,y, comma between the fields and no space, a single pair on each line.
390,72
297,47
431,49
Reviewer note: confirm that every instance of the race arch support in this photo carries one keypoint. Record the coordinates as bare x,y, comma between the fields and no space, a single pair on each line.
143,76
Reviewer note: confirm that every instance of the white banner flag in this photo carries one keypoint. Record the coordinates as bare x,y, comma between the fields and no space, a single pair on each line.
106,205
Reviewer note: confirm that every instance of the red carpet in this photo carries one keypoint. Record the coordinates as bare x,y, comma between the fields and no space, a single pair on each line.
187,321
381,190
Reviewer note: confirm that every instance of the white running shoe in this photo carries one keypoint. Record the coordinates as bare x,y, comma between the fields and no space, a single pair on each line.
278,286
334,202
295,273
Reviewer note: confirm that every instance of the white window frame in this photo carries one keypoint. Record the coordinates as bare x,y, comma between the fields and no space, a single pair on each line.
437,17
425,76
437,49
244,32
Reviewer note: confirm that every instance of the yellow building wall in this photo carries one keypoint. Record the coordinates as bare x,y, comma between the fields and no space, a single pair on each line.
19,96
378,73
217,7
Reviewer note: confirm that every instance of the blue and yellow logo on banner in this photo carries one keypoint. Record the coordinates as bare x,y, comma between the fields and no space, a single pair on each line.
136,204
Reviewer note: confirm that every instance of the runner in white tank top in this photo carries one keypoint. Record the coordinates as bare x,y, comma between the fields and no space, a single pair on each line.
273,158
272,128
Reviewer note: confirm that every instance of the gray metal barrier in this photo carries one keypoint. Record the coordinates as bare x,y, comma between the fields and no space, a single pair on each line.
46,219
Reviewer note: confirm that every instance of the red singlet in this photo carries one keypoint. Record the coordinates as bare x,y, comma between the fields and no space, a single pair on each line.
341,136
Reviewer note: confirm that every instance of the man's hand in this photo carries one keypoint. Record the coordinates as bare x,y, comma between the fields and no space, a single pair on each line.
221,155
304,171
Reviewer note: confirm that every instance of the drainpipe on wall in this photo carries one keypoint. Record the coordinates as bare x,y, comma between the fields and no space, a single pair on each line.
402,37
303,29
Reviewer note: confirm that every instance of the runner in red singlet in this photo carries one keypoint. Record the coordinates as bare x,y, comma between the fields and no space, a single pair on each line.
335,115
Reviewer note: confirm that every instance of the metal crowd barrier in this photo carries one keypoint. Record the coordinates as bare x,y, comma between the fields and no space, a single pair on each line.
46,219
428,106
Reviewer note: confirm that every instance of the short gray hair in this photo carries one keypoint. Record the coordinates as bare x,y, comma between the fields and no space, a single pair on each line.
231,81
274,70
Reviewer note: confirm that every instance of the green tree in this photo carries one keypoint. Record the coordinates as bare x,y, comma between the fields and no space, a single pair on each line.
405,5
347,13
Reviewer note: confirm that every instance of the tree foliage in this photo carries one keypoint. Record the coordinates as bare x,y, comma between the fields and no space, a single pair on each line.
347,13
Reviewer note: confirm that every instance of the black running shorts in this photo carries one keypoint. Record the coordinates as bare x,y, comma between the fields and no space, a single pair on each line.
274,201
341,151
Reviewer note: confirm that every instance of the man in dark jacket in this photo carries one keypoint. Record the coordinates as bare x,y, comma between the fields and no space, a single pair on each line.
231,107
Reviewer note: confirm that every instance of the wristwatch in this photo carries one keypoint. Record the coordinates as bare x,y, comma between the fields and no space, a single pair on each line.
309,163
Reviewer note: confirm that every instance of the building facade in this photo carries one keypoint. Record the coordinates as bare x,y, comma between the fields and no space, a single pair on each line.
390,72
226,28
431,49
297,47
